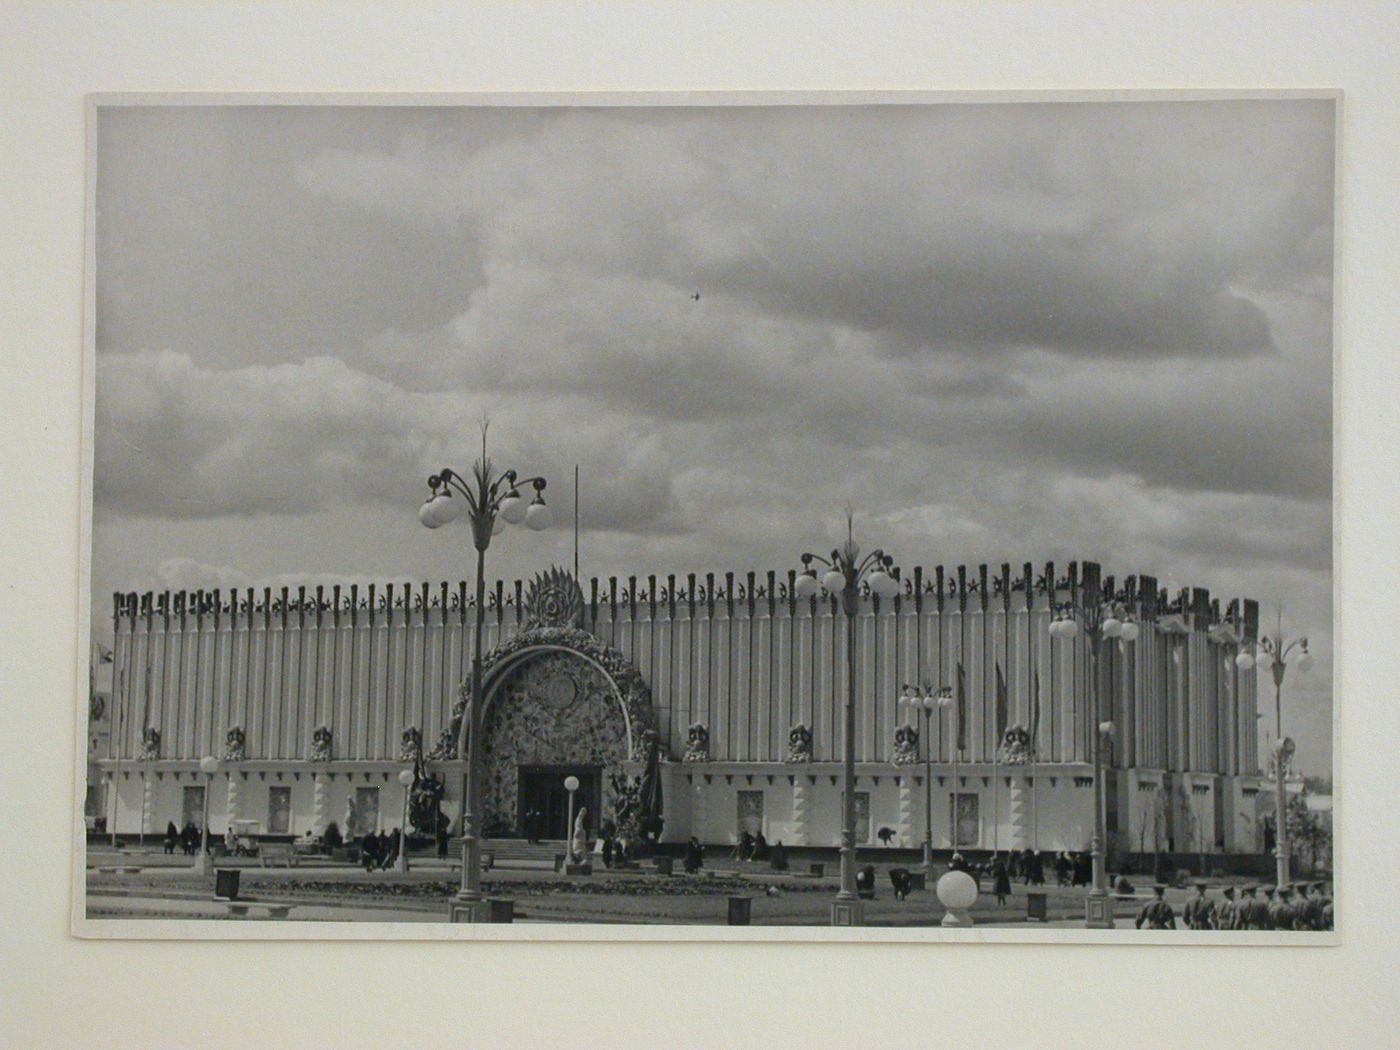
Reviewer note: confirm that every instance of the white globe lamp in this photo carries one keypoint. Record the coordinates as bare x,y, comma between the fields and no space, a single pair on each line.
513,508
538,514
427,515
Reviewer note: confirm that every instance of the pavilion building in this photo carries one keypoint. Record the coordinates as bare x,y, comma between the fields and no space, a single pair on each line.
313,701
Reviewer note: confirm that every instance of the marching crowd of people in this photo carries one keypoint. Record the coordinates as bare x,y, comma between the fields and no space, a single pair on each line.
1302,906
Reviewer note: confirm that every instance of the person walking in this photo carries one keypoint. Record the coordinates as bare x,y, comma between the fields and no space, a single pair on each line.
1001,881
1283,913
694,856
1199,912
1261,912
1227,914
1157,913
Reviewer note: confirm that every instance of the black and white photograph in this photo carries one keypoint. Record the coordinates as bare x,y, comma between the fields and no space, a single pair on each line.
897,517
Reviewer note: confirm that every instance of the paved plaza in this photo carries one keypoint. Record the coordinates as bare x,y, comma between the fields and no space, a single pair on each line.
136,884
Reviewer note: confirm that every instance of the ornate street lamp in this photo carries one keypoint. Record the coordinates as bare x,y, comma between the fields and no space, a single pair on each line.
401,862
488,498
1272,654
208,765
930,701
845,572
1104,615
571,785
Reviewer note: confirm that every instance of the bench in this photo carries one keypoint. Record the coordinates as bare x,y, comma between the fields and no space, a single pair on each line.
278,854
239,909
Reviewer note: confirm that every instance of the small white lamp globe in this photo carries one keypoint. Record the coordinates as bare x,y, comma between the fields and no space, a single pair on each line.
892,585
446,508
426,513
878,580
834,581
807,584
571,784
1069,627
1129,631
513,508
1264,660
406,777
538,515
1304,661
209,764
1106,728
1244,661
1111,628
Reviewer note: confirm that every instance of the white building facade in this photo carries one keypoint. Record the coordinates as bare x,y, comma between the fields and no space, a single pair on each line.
314,701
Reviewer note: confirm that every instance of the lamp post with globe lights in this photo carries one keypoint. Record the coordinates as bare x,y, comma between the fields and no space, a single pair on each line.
1104,616
846,572
930,701
489,498
571,785
401,862
1273,654
208,765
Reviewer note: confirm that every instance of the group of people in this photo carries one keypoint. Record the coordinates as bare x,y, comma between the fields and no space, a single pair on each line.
378,850
1302,906
185,839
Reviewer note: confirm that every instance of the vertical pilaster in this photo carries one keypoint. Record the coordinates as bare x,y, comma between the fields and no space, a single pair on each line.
699,809
801,815
148,803
320,804
906,826
235,793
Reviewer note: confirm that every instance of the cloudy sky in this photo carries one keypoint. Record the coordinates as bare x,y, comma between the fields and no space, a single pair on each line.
1002,332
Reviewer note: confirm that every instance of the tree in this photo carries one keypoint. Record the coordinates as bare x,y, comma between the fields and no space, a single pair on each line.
1308,833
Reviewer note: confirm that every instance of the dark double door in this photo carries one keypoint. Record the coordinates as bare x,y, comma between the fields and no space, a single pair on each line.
544,801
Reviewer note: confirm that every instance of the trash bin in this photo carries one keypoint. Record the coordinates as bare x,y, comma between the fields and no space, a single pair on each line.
740,909
226,883
1037,902
665,865
502,909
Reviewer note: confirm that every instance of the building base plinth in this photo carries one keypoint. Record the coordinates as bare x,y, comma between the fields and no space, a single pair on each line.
474,911
1098,913
848,913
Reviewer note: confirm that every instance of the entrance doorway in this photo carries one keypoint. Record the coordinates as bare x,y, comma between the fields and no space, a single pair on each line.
543,811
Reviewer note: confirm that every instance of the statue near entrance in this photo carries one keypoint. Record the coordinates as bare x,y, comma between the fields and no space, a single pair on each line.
580,839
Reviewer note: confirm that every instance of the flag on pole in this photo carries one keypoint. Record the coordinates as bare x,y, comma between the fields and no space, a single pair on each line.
1001,705
962,708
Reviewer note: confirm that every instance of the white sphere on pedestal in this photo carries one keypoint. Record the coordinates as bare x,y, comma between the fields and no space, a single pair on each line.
957,892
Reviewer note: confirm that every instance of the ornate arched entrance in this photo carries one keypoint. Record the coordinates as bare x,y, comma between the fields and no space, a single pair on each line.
558,701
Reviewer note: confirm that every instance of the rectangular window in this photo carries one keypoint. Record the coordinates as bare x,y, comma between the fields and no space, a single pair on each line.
965,818
192,806
750,812
279,810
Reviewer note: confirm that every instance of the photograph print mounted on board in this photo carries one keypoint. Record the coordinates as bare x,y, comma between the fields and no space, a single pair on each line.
902,517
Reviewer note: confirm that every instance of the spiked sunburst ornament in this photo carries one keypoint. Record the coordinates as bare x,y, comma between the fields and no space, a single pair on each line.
554,600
